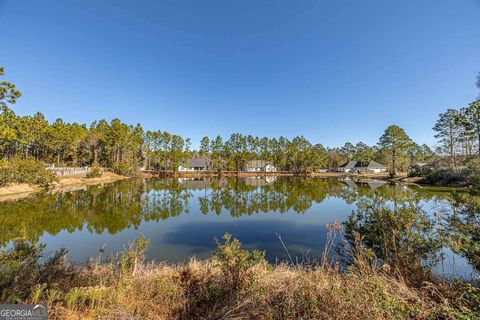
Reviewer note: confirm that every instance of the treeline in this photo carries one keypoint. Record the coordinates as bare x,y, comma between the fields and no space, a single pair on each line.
125,148
111,144
301,155
122,147
458,132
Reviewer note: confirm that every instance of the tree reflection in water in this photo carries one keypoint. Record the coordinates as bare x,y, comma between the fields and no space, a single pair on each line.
462,228
397,231
389,217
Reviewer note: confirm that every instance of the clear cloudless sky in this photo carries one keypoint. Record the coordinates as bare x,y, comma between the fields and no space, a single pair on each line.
333,71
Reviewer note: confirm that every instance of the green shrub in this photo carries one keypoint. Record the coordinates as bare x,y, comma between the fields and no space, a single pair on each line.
235,262
446,177
403,235
25,171
25,268
96,172
126,168
474,175
130,259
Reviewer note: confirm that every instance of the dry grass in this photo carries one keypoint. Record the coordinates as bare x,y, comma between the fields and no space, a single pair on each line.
197,290
233,284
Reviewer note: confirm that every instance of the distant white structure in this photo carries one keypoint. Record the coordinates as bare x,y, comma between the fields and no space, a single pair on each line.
194,165
69,171
359,166
259,166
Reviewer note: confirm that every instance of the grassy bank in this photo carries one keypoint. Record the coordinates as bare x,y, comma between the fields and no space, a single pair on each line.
232,284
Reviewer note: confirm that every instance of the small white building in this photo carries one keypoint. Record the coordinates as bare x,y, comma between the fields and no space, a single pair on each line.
194,165
259,166
359,166
375,167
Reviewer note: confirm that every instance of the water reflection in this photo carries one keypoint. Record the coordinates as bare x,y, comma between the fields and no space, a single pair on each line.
463,229
183,216
398,232
110,208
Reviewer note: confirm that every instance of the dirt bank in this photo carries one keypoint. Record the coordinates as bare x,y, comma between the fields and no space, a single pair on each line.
76,180
69,183
17,191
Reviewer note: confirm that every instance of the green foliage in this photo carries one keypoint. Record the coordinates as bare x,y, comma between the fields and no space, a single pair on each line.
458,130
131,258
463,228
399,234
449,131
8,92
25,267
126,168
469,296
444,177
473,175
235,262
96,172
468,176
396,143
29,171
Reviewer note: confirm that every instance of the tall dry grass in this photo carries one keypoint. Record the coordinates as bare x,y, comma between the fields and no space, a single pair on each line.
236,284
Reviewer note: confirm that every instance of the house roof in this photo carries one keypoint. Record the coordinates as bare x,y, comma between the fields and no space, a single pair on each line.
197,162
349,165
360,164
375,165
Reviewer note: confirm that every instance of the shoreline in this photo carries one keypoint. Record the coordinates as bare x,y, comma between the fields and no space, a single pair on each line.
209,174
68,183
76,182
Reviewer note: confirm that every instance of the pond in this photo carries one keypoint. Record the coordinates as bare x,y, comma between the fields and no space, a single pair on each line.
183,217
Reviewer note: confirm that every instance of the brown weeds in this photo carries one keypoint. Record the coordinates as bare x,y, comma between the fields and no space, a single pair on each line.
238,284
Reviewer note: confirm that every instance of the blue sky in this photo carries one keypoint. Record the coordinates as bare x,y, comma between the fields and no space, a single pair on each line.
333,71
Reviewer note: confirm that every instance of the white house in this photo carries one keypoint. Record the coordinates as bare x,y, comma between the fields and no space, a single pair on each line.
359,166
347,167
375,167
259,166
194,165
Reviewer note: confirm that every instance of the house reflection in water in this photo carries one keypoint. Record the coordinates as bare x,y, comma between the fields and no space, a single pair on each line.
353,182
194,183
205,183
259,181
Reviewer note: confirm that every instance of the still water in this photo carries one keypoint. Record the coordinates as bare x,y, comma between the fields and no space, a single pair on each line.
183,217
